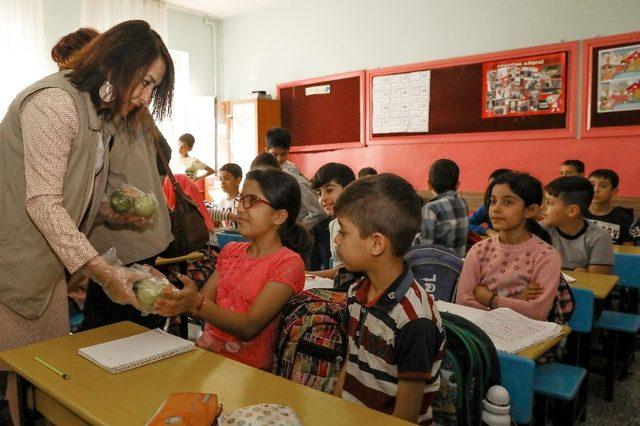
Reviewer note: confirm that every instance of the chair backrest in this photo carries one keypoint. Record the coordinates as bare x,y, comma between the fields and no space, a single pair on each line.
627,267
517,377
224,238
582,317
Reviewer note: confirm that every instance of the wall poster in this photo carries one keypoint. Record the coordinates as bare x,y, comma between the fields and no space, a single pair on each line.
619,79
534,85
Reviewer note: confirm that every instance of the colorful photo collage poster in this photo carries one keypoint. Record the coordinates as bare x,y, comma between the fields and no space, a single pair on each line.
401,102
524,86
619,79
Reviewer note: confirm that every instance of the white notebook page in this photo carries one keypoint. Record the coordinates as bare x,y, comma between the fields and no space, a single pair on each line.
137,350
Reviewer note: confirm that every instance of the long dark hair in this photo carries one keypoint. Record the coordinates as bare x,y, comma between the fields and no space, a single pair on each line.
283,193
122,55
71,44
529,189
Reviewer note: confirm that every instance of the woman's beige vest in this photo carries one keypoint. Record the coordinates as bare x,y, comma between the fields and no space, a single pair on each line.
133,161
29,267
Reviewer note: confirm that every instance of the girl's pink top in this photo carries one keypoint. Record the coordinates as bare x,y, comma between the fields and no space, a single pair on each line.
507,269
241,279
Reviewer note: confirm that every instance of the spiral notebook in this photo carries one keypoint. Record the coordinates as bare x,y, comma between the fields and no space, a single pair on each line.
137,350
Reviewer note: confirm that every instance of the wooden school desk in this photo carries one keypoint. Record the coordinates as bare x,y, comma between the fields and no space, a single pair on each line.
627,249
93,395
600,284
535,352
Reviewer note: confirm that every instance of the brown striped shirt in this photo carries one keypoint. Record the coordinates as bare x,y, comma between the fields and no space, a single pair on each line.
397,336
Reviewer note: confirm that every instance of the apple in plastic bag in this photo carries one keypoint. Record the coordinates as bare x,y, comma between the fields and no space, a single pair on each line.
121,202
144,205
148,290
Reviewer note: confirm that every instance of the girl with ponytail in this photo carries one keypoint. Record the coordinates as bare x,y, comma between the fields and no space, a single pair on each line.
517,268
242,300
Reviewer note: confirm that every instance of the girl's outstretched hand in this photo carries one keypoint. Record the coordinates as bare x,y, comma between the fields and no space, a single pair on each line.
175,302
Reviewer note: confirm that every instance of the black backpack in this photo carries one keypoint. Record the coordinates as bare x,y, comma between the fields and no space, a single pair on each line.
436,268
469,368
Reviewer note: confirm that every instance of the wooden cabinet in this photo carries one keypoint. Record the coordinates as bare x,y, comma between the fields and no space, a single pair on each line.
250,119
241,129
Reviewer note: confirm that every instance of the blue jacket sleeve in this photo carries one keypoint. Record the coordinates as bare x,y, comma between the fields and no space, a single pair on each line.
476,220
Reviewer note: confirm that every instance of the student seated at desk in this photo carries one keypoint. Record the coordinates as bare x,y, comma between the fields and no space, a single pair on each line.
445,219
572,168
242,300
330,180
224,214
396,337
635,232
480,222
583,245
517,268
603,213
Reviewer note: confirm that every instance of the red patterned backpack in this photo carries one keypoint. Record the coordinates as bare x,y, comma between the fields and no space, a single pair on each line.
312,341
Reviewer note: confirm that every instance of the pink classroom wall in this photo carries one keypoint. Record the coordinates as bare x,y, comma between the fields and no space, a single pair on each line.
477,160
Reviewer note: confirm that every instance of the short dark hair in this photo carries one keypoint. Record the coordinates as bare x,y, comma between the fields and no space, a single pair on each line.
265,160
385,203
444,175
278,137
232,168
606,174
367,171
572,190
499,172
340,173
188,139
576,164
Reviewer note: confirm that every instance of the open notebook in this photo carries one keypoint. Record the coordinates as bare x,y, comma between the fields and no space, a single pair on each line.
137,350
508,330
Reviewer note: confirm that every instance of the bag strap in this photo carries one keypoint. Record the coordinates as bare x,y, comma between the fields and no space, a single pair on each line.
176,186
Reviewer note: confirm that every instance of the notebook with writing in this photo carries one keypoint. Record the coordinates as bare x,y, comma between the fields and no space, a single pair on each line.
508,330
137,350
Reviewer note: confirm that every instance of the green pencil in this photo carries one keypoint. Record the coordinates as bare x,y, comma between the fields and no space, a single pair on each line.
52,368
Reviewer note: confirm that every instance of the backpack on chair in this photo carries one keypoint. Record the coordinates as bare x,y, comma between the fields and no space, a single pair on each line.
469,368
312,341
564,303
436,268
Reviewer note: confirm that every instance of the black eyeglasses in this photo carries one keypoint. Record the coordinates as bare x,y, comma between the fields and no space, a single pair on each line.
249,201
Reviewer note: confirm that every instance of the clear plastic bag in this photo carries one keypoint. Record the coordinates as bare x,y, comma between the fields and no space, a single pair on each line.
150,288
128,202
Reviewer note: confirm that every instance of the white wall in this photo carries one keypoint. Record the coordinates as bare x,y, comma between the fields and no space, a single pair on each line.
186,31
309,38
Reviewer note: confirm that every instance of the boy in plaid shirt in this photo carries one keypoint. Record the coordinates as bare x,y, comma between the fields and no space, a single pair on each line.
445,219
396,337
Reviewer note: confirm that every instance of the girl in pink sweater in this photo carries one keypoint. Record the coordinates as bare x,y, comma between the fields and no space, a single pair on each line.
517,268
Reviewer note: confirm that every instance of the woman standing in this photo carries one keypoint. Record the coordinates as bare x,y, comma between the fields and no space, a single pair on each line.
54,159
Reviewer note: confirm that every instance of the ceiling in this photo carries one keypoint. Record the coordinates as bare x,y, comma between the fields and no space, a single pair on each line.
224,8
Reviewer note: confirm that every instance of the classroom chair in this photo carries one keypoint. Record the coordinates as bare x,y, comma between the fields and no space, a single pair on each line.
621,329
567,384
627,268
227,237
517,378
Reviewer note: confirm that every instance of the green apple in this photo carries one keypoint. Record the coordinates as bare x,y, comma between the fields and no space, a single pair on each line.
121,202
144,205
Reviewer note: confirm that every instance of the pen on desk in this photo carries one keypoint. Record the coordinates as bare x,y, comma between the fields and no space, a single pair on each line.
52,368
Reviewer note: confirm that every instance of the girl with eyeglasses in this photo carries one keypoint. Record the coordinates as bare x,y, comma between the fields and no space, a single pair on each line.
242,300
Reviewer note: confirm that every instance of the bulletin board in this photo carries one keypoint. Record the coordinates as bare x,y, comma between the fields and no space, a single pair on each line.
458,97
611,86
325,112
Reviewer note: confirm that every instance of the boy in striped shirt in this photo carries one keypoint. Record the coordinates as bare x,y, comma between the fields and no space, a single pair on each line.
396,338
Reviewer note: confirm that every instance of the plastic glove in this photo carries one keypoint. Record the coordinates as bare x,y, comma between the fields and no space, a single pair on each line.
116,280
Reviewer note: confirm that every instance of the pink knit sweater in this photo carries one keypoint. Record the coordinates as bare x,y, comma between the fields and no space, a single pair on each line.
507,269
